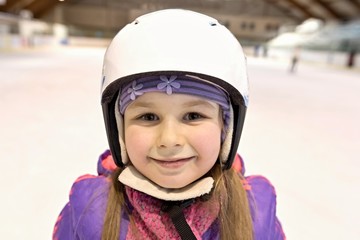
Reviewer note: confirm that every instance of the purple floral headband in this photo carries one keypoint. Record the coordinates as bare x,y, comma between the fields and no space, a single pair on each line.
175,84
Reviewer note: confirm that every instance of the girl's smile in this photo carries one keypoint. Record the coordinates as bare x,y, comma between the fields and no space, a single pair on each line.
172,139
172,163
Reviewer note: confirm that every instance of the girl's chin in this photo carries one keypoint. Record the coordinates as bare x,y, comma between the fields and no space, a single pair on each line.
171,185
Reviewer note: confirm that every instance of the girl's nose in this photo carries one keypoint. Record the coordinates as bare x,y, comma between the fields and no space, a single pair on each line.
170,134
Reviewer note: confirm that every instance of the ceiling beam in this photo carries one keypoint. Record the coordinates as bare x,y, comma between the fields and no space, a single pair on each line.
16,6
40,7
329,9
47,7
8,5
304,9
284,10
355,4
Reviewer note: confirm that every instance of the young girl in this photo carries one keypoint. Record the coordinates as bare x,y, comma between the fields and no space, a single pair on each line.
174,96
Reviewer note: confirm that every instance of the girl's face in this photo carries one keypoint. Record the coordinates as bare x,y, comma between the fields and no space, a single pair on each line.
173,140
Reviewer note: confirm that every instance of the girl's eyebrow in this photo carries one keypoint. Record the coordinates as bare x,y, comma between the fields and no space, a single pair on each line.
199,103
142,104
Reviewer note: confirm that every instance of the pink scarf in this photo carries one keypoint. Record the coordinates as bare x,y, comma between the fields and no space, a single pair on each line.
152,223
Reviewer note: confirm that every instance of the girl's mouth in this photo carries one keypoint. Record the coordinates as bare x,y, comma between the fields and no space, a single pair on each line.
173,163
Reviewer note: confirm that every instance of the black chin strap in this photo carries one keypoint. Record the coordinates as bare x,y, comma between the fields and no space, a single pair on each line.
175,211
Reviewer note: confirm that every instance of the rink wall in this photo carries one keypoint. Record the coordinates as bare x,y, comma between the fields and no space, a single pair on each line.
317,57
11,42
307,56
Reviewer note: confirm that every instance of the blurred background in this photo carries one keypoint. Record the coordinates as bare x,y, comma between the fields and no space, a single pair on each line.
302,129
321,31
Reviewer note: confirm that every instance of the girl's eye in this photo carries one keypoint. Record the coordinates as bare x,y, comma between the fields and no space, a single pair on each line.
148,117
193,116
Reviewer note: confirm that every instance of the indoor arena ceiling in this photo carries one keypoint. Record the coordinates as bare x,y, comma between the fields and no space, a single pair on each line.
340,10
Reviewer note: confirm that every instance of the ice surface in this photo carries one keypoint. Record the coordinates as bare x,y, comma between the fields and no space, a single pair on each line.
302,132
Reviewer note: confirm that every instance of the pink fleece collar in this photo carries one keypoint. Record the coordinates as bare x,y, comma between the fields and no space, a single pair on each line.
152,223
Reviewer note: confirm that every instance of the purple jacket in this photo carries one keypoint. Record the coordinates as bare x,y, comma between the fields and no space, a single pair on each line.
82,217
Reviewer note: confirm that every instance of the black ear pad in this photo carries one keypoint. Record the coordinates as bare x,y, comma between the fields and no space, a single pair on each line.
112,130
239,116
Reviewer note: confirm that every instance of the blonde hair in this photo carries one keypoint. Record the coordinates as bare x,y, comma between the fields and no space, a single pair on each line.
234,216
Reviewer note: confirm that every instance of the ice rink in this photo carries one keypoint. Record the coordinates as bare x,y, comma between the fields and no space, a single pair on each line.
302,132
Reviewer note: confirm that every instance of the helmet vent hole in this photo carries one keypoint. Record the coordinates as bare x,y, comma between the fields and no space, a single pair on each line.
136,22
212,24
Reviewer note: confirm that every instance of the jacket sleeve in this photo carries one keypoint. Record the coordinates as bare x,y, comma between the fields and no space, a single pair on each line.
262,201
278,231
82,217
63,229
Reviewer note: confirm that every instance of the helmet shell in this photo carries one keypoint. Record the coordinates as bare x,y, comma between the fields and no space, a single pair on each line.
175,42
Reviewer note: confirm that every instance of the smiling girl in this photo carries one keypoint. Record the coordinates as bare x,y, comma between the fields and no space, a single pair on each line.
174,97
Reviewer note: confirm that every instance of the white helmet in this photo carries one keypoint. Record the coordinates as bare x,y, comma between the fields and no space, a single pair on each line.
169,42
